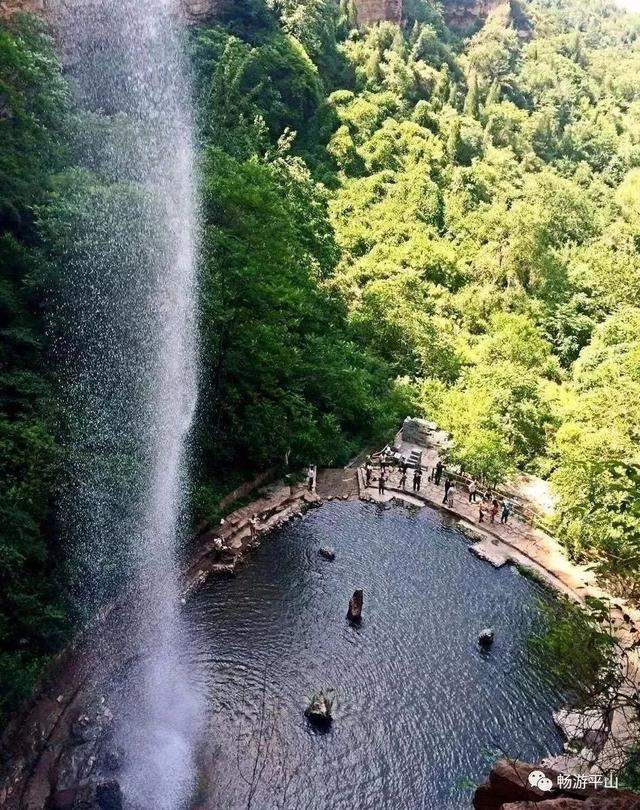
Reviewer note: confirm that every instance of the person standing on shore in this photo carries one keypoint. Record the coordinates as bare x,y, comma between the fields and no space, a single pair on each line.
403,476
472,492
447,486
450,493
481,512
506,511
368,470
417,479
311,475
382,481
253,526
438,473
494,509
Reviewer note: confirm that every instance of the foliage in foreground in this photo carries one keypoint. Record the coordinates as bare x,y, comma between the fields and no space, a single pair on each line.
33,111
577,648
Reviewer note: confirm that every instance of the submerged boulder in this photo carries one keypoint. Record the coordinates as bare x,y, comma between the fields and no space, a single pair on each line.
109,796
327,552
319,708
354,613
486,637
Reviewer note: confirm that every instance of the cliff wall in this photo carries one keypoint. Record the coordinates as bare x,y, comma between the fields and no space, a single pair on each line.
458,13
372,11
52,10
462,14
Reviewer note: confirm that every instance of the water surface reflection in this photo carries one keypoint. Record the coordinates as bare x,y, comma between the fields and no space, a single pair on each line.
421,709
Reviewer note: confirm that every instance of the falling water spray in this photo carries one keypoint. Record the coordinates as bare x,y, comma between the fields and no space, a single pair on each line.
130,360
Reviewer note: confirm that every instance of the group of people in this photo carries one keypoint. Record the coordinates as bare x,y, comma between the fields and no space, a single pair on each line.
383,476
491,505
488,504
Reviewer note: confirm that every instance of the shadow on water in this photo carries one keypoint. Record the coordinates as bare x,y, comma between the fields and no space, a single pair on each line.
419,704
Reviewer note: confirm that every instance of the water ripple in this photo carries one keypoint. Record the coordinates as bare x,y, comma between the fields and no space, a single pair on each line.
420,709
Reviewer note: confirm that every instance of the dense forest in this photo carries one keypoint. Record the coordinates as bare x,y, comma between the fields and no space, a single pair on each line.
394,220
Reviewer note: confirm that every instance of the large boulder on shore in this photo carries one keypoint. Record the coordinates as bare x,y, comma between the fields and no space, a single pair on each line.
509,782
509,788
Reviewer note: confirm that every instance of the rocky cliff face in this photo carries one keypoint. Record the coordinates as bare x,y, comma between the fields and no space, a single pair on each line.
462,14
373,11
458,13
194,10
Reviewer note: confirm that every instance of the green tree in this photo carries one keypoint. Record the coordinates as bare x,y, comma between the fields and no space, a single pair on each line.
472,100
34,114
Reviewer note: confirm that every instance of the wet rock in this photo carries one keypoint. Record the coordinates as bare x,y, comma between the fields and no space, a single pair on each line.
113,758
109,796
84,729
469,531
75,766
327,552
486,637
63,799
82,757
319,708
85,797
354,613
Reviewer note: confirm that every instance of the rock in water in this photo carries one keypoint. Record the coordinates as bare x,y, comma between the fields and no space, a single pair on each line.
109,796
327,552
486,637
354,614
319,708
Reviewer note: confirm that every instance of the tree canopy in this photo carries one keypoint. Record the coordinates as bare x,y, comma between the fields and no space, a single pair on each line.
394,219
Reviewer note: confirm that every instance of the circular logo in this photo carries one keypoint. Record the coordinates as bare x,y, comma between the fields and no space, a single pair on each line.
538,780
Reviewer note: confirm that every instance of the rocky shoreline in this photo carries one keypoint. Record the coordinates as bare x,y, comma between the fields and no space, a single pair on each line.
514,785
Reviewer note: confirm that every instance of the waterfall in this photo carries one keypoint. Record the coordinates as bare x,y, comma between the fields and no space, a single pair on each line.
130,347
